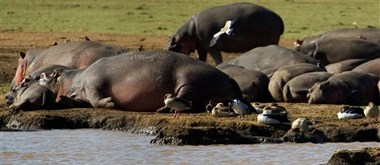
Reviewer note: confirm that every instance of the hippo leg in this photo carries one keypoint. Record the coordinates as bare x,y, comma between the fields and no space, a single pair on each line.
98,100
104,103
198,101
202,54
216,55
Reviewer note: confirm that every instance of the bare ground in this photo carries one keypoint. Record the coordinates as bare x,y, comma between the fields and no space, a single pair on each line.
200,128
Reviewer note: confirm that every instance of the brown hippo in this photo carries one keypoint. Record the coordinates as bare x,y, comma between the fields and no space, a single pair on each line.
269,58
372,66
285,74
353,88
346,65
32,97
76,54
252,26
138,81
253,84
297,88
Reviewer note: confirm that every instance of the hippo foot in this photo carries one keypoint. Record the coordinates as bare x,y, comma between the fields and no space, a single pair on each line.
164,109
105,103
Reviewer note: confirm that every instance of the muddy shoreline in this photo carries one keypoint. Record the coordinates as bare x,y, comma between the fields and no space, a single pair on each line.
200,128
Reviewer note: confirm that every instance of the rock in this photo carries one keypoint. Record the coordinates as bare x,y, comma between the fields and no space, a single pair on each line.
356,157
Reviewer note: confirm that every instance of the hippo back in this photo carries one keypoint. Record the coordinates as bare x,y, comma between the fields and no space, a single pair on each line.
269,58
372,66
75,54
138,81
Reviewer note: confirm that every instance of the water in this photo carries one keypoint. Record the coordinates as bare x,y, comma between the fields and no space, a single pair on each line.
90,146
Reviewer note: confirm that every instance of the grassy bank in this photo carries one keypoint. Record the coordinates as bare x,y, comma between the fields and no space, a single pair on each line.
153,17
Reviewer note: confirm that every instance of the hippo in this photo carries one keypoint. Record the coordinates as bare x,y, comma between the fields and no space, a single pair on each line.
346,65
75,54
285,74
32,97
253,84
369,34
332,50
353,88
372,66
138,81
253,25
269,58
297,88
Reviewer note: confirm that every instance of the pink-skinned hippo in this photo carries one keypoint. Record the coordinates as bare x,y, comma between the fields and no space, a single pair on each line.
249,26
253,84
372,66
285,74
346,65
75,54
297,88
353,88
138,81
269,58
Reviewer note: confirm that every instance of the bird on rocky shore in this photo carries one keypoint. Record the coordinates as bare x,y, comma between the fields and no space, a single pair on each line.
177,104
258,107
240,108
220,110
273,116
350,113
277,108
302,124
372,111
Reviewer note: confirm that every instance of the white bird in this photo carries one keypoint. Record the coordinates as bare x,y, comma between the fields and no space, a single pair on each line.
177,104
350,113
227,29
372,111
272,116
240,108
302,124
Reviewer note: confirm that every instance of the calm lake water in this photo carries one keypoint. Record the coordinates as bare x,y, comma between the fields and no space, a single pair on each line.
91,146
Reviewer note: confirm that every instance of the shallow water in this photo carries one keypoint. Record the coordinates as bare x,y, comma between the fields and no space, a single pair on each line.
90,146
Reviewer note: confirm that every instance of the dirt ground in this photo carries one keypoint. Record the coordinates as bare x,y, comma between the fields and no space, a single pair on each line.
12,42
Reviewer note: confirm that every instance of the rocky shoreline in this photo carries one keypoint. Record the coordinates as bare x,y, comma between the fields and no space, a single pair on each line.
200,128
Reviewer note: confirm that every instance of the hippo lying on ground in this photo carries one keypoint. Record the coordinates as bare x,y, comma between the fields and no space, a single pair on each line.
346,65
33,97
138,81
369,34
252,26
253,84
285,74
372,66
76,54
297,88
353,88
333,50
269,58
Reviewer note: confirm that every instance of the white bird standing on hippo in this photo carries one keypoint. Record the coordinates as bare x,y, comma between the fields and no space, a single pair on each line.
246,26
138,81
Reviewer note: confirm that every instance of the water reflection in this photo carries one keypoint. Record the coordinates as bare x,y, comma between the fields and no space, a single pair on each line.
90,146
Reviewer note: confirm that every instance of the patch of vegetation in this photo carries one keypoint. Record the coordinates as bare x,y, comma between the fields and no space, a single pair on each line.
301,17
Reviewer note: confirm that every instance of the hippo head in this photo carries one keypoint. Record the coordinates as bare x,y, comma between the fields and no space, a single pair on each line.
325,93
181,44
32,97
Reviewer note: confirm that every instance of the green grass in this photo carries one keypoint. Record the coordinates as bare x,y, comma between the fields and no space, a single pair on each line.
163,17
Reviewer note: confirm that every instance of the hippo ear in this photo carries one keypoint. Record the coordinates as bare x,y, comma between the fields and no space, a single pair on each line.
22,55
55,74
43,75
